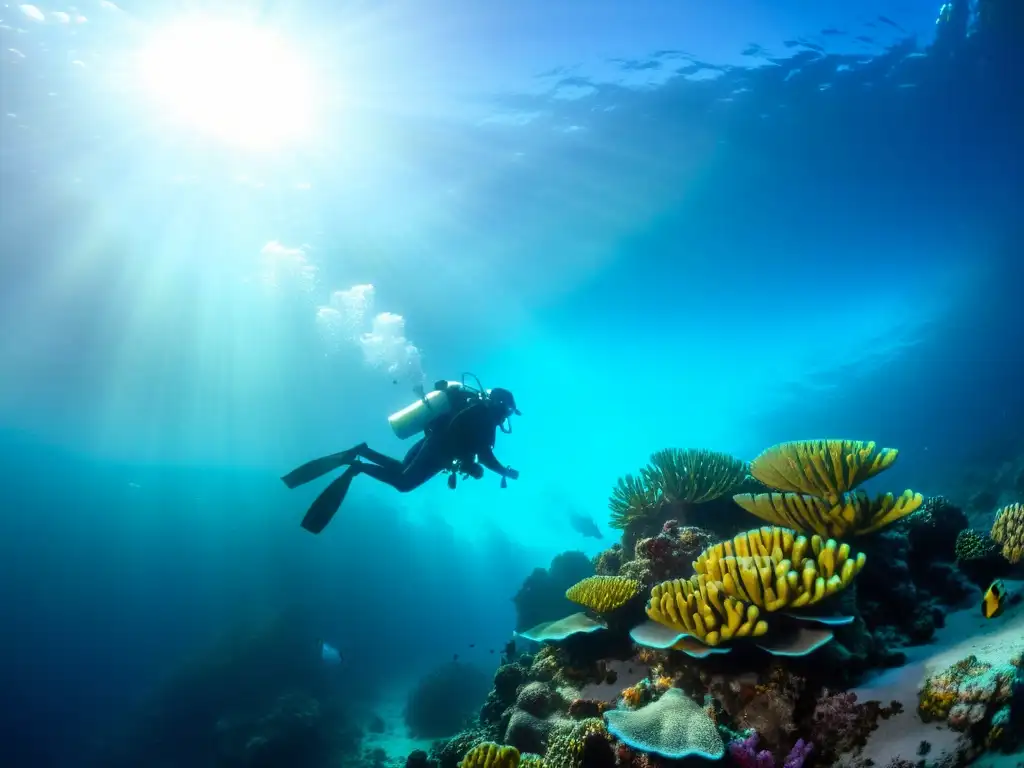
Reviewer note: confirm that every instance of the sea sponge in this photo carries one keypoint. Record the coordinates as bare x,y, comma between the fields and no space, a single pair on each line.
491,755
775,568
603,594
854,514
1008,530
824,468
674,727
698,607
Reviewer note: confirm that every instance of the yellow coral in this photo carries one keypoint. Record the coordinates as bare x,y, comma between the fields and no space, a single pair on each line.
566,749
487,754
1008,530
855,513
603,594
825,468
700,608
774,568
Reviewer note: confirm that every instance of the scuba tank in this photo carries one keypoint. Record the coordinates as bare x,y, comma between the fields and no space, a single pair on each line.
415,417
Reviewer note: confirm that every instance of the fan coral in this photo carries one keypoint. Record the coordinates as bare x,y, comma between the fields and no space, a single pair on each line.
774,568
603,594
674,726
673,477
1008,530
823,468
698,607
491,755
817,479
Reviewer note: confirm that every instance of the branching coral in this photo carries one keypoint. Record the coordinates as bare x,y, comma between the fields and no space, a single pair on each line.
774,568
1008,530
673,476
603,594
817,479
698,607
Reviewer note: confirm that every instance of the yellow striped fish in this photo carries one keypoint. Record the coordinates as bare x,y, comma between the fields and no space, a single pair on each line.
994,600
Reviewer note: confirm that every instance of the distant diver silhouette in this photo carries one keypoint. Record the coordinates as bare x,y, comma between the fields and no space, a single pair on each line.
459,425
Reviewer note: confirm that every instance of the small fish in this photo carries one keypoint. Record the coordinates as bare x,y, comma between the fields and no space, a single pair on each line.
994,600
455,657
472,645
329,654
585,526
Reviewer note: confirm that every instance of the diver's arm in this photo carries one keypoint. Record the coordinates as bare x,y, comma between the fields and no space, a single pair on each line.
489,460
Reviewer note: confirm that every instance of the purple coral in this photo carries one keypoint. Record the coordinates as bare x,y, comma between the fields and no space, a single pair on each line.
800,752
744,753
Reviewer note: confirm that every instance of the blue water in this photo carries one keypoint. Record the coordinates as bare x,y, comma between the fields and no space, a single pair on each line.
702,224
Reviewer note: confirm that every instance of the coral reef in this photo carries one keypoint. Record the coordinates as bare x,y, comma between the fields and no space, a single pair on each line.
443,700
542,596
817,479
667,555
1008,530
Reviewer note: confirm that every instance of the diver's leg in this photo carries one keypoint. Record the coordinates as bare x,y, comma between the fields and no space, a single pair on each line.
311,470
327,503
423,461
366,452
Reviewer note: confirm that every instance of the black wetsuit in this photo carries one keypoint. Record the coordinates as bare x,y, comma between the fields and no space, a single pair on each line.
463,439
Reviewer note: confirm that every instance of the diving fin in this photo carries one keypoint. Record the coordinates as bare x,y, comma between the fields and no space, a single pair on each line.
311,470
327,503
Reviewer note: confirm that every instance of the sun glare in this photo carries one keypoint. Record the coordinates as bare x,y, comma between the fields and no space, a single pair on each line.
236,81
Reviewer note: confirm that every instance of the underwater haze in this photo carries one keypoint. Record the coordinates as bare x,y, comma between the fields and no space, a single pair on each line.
235,237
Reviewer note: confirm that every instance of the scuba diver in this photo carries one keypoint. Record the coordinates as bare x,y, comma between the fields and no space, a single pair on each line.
459,425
